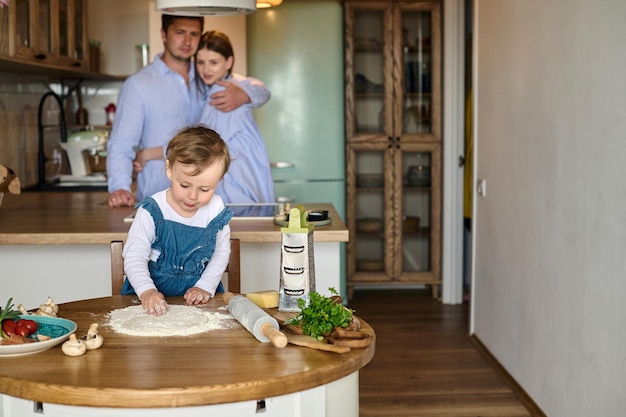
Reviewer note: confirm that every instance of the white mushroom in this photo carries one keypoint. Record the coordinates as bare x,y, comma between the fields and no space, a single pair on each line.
49,308
93,340
50,302
45,310
22,310
74,346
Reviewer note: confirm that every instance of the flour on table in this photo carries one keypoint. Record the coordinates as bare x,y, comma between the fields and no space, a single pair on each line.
180,320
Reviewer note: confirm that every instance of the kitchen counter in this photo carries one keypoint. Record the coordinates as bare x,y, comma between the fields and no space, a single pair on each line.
49,218
45,218
216,367
58,244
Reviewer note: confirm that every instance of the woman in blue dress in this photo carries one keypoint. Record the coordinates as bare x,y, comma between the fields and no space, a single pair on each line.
249,178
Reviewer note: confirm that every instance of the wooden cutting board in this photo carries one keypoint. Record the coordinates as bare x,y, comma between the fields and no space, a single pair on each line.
284,316
296,336
313,343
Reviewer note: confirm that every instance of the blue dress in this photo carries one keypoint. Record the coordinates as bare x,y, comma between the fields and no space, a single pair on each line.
185,251
249,178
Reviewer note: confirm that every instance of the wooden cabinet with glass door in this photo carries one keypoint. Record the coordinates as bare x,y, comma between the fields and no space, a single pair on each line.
393,143
73,45
47,32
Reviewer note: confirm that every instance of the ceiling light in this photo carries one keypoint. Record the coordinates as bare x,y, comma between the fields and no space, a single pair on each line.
206,7
263,4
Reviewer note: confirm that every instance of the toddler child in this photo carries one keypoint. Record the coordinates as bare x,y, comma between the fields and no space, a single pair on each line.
179,242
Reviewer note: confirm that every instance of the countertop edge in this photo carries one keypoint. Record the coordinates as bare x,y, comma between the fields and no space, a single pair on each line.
84,218
60,238
318,236
187,397
107,238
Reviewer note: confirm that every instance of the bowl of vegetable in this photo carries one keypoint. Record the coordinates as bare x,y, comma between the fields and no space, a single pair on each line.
24,334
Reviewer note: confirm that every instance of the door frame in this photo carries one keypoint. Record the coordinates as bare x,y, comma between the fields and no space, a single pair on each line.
453,149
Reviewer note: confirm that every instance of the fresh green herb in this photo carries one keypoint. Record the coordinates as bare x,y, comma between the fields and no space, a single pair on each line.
8,314
322,315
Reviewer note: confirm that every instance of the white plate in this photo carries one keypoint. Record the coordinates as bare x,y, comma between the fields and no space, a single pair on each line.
57,328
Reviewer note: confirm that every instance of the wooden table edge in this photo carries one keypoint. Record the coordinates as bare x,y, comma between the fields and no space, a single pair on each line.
195,395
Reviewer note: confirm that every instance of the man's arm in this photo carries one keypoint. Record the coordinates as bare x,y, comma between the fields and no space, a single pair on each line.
125,136
243,90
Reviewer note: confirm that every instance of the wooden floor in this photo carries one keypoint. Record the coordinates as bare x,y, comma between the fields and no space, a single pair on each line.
425,363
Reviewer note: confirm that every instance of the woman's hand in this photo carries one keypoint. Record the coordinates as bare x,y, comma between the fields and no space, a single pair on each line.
153,302
195,295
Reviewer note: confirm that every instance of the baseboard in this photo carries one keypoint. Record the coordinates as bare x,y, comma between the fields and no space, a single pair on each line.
519,392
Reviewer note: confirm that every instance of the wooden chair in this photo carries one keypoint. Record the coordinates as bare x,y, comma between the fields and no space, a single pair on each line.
117,267
233,268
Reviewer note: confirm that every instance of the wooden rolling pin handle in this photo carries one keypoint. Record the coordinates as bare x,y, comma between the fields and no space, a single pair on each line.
227,297
276,337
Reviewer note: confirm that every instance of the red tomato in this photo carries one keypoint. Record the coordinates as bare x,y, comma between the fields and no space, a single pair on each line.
31,325
21,330
8,326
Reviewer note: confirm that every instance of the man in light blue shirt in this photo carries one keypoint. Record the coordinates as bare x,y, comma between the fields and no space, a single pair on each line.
155,103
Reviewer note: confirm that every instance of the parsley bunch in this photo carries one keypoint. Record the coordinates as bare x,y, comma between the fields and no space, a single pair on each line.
322,315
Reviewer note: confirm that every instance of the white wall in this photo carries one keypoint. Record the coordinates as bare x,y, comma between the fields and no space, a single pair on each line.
550,263
233,26
119,25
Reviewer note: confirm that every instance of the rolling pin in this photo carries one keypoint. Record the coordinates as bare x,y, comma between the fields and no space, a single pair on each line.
256,321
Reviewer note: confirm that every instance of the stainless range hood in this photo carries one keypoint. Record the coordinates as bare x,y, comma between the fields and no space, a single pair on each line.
206,7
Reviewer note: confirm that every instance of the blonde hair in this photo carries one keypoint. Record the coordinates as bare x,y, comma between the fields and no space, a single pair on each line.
198,146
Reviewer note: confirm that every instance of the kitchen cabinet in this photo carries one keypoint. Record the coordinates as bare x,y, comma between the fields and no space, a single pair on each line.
47,37
393,143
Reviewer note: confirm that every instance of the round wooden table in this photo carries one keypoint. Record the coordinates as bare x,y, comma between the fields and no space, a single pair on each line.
214,367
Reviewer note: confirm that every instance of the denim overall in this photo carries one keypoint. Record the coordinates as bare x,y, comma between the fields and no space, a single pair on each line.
185,251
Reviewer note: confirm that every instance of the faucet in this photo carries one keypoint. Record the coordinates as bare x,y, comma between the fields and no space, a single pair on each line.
41,154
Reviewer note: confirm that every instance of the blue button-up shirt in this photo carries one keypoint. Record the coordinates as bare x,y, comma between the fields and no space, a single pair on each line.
153,105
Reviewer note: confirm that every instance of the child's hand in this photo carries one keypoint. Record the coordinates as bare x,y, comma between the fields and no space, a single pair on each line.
195,295
141,158
153,302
